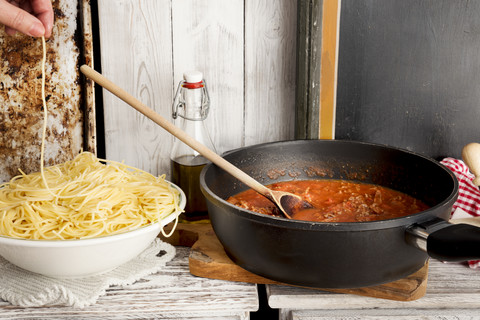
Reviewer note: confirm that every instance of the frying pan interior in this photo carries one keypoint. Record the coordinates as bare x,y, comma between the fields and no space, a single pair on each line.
320,159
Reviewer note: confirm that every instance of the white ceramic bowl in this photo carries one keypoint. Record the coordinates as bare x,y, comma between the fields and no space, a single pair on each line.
83,257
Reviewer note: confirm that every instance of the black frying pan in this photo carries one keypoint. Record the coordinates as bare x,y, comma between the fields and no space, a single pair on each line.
338,255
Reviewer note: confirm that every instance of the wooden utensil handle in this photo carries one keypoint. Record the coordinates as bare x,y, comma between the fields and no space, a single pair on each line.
177,132
471,156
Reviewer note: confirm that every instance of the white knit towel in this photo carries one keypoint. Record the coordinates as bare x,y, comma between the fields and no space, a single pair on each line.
27,289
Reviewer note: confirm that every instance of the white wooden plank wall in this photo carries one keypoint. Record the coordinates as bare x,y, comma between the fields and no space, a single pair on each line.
270,58
137,55
245,48
208,36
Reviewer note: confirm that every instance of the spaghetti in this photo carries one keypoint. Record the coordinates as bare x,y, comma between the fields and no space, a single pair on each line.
82,198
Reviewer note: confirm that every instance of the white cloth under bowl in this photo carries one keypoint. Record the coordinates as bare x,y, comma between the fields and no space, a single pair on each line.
26,289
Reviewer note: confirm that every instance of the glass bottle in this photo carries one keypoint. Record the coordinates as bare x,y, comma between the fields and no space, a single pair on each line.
190,108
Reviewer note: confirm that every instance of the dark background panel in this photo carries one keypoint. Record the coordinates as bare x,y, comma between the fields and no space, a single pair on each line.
409,74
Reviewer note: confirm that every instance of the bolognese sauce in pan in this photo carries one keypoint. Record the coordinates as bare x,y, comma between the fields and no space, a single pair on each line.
335,201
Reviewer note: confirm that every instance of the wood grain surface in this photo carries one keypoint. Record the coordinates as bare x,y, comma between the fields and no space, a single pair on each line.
452,293
270,43
245,49
208,36
208,259
172,293
136,55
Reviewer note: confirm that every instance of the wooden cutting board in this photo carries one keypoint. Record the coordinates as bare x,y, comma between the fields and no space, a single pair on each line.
209,260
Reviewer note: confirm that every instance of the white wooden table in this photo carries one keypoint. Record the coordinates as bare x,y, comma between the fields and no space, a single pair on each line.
453,292
172,293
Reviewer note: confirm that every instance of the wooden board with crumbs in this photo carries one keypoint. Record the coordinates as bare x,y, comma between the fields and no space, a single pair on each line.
70,102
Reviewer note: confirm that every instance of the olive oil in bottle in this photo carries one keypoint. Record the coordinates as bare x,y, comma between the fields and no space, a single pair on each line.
187,177
191,107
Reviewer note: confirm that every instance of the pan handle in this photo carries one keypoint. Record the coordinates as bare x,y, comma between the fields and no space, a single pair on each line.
445,241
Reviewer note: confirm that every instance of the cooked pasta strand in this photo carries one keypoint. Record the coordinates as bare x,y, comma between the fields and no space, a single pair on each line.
97,204
82,198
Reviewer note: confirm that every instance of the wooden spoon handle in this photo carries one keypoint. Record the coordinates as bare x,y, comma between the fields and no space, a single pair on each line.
177,132
471,156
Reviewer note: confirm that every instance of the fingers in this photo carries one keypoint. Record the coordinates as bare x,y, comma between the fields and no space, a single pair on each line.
42,9
16,19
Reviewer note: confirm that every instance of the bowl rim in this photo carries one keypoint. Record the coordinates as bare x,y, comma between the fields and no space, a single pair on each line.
102,239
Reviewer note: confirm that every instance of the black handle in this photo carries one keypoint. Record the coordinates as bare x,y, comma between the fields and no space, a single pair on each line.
455,242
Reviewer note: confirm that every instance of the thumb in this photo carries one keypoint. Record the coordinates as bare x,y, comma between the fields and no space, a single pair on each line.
16,19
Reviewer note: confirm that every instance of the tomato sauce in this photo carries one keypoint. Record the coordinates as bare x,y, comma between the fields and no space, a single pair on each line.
335,201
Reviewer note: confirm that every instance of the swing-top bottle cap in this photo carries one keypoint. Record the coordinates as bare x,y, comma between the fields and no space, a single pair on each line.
193,76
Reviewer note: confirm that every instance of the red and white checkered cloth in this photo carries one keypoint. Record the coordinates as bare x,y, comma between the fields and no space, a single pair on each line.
468,193
468,202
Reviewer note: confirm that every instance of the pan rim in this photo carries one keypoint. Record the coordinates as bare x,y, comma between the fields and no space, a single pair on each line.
405,222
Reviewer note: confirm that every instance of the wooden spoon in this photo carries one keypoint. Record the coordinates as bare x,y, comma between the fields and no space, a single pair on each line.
471,156
288,203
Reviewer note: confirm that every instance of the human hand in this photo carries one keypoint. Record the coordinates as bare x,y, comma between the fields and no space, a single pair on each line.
31,17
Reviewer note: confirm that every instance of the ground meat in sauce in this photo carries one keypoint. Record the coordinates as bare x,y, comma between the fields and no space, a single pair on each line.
335,201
